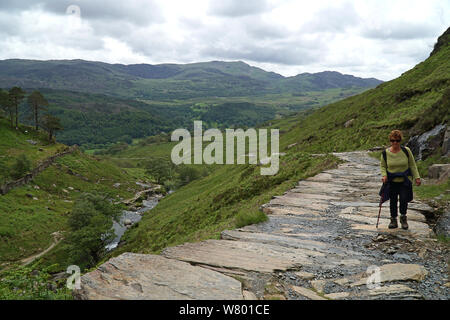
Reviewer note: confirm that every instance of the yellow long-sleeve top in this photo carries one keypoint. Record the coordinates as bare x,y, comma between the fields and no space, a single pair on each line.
398,162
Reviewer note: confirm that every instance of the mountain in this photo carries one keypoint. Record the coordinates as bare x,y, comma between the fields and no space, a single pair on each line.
328,80
97,101
165,81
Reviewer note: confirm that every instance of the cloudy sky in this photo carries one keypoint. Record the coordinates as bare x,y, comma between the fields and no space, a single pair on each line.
366,38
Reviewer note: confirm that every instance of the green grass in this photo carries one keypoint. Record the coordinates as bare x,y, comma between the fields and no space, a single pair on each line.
443,239
440,193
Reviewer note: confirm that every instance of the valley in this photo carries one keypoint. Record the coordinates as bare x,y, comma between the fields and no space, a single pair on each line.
122,117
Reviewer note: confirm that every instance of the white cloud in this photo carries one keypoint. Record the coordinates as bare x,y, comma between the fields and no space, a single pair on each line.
366,38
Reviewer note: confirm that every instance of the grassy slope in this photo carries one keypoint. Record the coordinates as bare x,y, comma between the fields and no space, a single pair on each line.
26,225
14,143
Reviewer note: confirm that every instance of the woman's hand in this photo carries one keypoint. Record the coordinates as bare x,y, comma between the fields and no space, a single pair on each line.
384,179
418,182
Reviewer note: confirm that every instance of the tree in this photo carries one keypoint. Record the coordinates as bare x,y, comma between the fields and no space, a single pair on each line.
51,124
160,168
6,105
16,95
91,228
37,102
4,100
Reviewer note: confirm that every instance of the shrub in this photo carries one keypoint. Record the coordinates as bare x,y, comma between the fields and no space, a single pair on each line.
6,233
188,174
24,283
21,167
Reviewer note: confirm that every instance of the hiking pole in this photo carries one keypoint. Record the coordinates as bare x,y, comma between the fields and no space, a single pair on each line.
379,212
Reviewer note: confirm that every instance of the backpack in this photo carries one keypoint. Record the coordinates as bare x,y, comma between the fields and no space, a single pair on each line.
403,149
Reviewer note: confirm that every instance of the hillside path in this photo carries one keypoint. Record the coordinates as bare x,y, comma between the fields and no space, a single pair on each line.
320,242
57,237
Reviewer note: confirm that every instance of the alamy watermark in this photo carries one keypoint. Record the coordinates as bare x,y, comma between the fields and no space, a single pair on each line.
374,279
213,153
73,10
74,281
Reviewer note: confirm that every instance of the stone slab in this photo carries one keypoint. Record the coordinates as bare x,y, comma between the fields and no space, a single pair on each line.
413,225
337,295
391,289
311,247
290,211
302,203
311,196
242,255
310,294
318,285
305,275
412,215
133,276
248,295
397,272
383,228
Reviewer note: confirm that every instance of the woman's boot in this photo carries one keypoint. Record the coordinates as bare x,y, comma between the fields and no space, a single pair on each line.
393,223
404,221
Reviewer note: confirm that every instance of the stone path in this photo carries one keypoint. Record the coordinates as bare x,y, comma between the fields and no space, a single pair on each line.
320,243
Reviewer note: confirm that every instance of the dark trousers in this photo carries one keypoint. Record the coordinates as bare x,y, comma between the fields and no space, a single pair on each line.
396,190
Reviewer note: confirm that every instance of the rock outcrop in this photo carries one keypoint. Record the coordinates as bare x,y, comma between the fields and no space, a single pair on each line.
439,172
424,145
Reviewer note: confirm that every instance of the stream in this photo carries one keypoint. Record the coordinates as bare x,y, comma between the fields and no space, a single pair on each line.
132,217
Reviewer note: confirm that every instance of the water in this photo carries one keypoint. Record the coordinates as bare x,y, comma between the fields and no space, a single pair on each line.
421,140
134,217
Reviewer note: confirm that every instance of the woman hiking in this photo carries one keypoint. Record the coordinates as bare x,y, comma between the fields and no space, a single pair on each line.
398,169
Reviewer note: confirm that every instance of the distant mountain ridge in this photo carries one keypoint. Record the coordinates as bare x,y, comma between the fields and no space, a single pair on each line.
100,103
214,78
